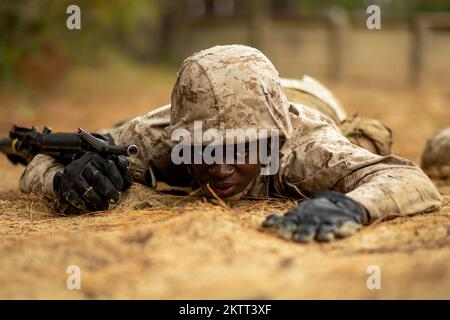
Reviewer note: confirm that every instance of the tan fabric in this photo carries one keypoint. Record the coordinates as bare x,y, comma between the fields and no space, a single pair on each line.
370,134
314,157
38,175
436,155
319,157
313,94
312,102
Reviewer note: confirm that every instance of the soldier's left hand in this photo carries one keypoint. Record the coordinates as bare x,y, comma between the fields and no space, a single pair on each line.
326,216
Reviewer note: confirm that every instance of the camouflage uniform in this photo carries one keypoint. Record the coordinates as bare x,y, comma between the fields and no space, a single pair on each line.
436,155
368,133
237,87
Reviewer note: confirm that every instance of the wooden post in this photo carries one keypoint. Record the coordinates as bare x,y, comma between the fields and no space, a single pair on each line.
417,50
257,23
337,30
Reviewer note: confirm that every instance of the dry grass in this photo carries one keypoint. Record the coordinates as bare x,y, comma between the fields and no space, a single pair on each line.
159,246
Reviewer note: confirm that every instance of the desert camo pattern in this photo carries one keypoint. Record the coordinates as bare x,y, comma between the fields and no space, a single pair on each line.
436,155
38,176
232,86
229,87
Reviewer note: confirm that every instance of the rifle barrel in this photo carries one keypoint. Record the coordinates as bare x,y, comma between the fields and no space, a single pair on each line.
6,146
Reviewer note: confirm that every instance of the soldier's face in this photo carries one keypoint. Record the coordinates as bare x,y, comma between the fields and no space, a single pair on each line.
228,179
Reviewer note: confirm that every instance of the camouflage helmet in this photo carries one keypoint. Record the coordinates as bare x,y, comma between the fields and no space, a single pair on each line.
436,155
229,87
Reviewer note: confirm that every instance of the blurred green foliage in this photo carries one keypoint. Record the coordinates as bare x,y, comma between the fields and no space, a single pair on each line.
32,31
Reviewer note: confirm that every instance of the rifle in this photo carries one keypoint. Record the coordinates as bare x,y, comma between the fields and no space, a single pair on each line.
24,143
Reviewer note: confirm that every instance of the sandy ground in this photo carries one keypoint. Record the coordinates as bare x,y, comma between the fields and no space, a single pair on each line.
159,247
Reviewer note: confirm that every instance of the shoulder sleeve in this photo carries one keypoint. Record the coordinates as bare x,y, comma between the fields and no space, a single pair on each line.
142,131
149,132
38,176
320,158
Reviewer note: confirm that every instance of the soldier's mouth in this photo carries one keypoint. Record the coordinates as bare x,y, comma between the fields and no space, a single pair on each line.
224,189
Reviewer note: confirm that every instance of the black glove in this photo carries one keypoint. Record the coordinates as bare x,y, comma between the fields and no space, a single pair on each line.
327,215
93,182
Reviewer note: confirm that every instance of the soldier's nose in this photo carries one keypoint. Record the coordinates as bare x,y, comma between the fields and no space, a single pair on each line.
221,170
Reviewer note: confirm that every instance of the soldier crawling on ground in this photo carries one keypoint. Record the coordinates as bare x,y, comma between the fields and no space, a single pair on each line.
341,168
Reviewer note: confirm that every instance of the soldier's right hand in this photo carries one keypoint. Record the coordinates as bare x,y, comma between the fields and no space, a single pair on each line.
93,182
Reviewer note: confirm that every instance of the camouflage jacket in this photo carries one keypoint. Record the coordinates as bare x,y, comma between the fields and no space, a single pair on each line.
316,156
